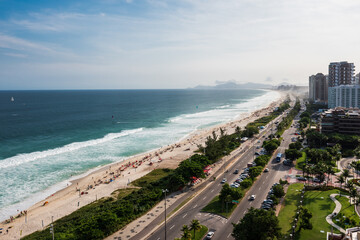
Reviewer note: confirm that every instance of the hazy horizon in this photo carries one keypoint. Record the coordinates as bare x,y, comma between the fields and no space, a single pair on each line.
151,44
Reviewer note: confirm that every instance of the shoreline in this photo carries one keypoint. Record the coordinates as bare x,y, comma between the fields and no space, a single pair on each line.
69,199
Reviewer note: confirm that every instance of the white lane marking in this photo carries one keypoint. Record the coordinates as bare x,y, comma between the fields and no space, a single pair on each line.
158,239
266,176
228,235
212,190
251,202
259,187
185,215
172,227
204,198
195,206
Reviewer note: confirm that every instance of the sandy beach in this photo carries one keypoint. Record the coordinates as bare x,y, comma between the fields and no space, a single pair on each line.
102,182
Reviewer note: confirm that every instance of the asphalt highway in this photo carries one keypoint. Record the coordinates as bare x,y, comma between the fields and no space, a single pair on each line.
222,226
260,188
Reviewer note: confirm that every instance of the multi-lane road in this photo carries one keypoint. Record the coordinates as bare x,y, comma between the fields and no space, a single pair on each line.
222,226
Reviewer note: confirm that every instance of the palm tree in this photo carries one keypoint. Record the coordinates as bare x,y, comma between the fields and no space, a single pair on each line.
195,225
186,233
349,185
329,171
353,194
346,173
341,180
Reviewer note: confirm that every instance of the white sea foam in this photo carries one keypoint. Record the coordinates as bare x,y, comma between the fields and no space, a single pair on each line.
29,157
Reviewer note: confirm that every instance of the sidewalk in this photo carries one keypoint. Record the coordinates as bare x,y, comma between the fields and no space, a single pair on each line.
336,211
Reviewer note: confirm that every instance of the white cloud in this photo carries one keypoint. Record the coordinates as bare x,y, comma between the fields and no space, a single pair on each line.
17,55
183,43
15,43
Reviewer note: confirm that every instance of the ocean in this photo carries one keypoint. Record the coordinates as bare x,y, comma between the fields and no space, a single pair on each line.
47,137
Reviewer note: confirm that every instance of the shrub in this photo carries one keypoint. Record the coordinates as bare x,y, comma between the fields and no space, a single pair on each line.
246,183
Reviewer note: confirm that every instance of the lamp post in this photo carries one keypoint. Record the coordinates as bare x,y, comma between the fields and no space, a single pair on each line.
165,191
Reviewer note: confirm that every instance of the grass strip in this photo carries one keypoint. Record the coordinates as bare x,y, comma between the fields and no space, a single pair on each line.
199,233
287,213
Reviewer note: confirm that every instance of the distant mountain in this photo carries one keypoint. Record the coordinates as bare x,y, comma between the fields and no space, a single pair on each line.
233,85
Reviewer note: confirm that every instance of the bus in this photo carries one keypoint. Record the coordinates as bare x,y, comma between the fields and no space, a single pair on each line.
278,157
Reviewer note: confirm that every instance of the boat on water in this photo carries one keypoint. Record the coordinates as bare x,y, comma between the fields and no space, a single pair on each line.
12,99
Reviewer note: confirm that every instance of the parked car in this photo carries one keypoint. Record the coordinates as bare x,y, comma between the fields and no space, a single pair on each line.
301,179
239,180
287,162
210,235
266,170
316,180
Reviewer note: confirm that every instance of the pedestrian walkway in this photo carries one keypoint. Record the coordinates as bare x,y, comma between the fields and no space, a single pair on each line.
336,211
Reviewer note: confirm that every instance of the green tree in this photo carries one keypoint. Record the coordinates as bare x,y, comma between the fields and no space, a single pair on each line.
340,179
305,216
292,154
330,171
246,183
255,171
278,191
257,224
270,147
195,226
296,145
346,174
185,233
262,160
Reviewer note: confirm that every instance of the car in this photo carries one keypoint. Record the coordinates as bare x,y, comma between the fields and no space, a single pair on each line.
210,235
268,205
252,197
287,163
236,171
259,141
266,170
224,180
316,180
257,154
258,147
301,179
246,170
268,201
239,180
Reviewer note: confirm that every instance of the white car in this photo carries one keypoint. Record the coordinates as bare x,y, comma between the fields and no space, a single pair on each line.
266,170
252,197
210,235
224,180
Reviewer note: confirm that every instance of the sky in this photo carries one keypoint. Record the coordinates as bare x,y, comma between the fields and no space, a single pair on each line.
140,44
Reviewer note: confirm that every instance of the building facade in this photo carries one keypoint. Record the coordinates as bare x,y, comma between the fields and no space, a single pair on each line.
341,120
318,88
341,73
347,96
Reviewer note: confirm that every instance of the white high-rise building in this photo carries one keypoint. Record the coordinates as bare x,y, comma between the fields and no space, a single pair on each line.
344,96
344,90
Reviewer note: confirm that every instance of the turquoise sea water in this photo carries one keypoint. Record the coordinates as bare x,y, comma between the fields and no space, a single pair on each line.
48,136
